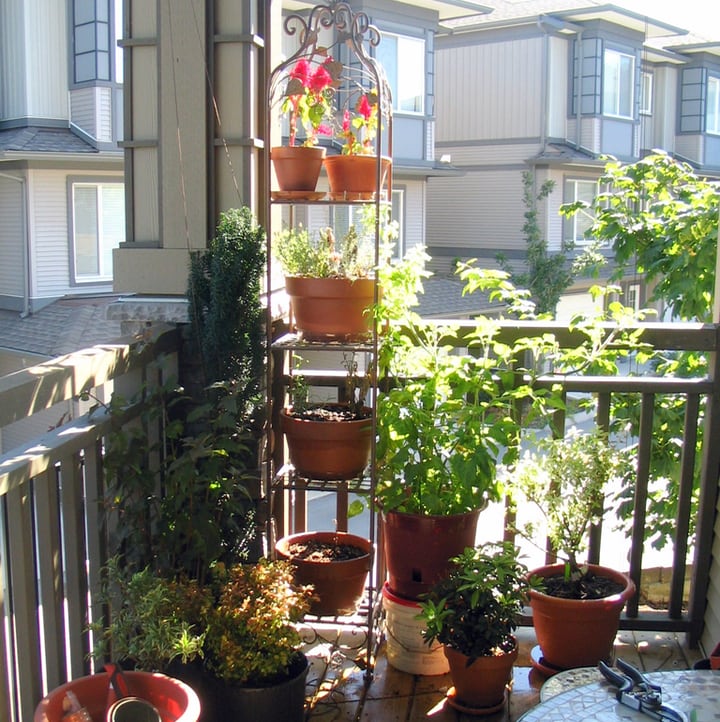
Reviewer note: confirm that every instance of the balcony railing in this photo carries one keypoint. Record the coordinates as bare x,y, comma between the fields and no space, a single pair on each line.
52,527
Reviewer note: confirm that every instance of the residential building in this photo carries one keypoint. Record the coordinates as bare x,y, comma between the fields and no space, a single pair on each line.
553,88
61,170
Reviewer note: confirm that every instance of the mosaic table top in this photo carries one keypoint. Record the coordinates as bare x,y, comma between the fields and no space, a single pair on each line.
687,691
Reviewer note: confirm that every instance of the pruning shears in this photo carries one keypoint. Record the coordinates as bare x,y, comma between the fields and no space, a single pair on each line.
637,692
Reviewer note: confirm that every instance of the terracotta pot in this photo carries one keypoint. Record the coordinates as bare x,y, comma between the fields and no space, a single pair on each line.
331,309
297,168
327,450
577,632
418,548
174,699
480,686
338,585
354,177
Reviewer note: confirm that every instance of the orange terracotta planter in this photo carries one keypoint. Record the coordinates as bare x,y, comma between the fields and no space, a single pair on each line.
480,686
327,450
297,168
338,585
331,309
577,632
175,700
418,548
354,177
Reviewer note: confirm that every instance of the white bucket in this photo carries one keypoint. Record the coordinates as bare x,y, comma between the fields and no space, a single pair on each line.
405,647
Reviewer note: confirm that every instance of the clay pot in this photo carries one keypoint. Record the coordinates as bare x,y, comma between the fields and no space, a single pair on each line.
327,450
418,548
577,632
481,686
174,699
338,585
331,309
354,177
297,168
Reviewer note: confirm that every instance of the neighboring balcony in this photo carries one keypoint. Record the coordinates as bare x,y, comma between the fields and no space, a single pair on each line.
52,533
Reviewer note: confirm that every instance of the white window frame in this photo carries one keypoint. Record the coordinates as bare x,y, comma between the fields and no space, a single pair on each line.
402,69
712,112
104,240
646,92
618,86
577,224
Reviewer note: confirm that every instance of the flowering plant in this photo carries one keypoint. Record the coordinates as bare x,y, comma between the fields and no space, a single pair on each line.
358,133
308,99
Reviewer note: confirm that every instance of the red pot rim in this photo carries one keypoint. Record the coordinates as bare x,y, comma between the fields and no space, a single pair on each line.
281,545
392,597
549,570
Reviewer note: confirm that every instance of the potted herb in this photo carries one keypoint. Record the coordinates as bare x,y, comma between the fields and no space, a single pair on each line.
473,612
445,421
352,175
233,638
253,647
577,608
307,100
330,280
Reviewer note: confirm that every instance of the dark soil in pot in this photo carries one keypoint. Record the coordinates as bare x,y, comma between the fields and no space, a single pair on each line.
589,586
316,551
333,412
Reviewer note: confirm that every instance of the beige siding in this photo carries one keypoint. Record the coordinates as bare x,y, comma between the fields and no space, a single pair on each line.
104,109
50,233
486,91
46,58
144,121
689,146
711,633
82,110
12,240
489,200
414,214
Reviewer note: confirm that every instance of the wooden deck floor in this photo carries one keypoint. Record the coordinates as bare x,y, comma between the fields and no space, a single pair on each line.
338,692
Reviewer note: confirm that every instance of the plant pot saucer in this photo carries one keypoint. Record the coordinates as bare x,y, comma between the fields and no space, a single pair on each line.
297,195
547,669
456,703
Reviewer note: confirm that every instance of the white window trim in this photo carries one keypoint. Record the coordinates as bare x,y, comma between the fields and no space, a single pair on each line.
104,275
395,93
616,113
646,92
714,80
572,222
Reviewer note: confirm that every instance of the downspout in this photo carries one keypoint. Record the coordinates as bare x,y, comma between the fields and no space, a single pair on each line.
26,242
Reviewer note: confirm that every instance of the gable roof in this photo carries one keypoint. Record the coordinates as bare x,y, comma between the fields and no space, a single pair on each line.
32,139
507,12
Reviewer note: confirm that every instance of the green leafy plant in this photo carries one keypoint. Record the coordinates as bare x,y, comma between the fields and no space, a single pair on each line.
252,636
241,623
446,419
477,607
547,274
302,255
661,219
179,497
226,315
153,620
567,480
